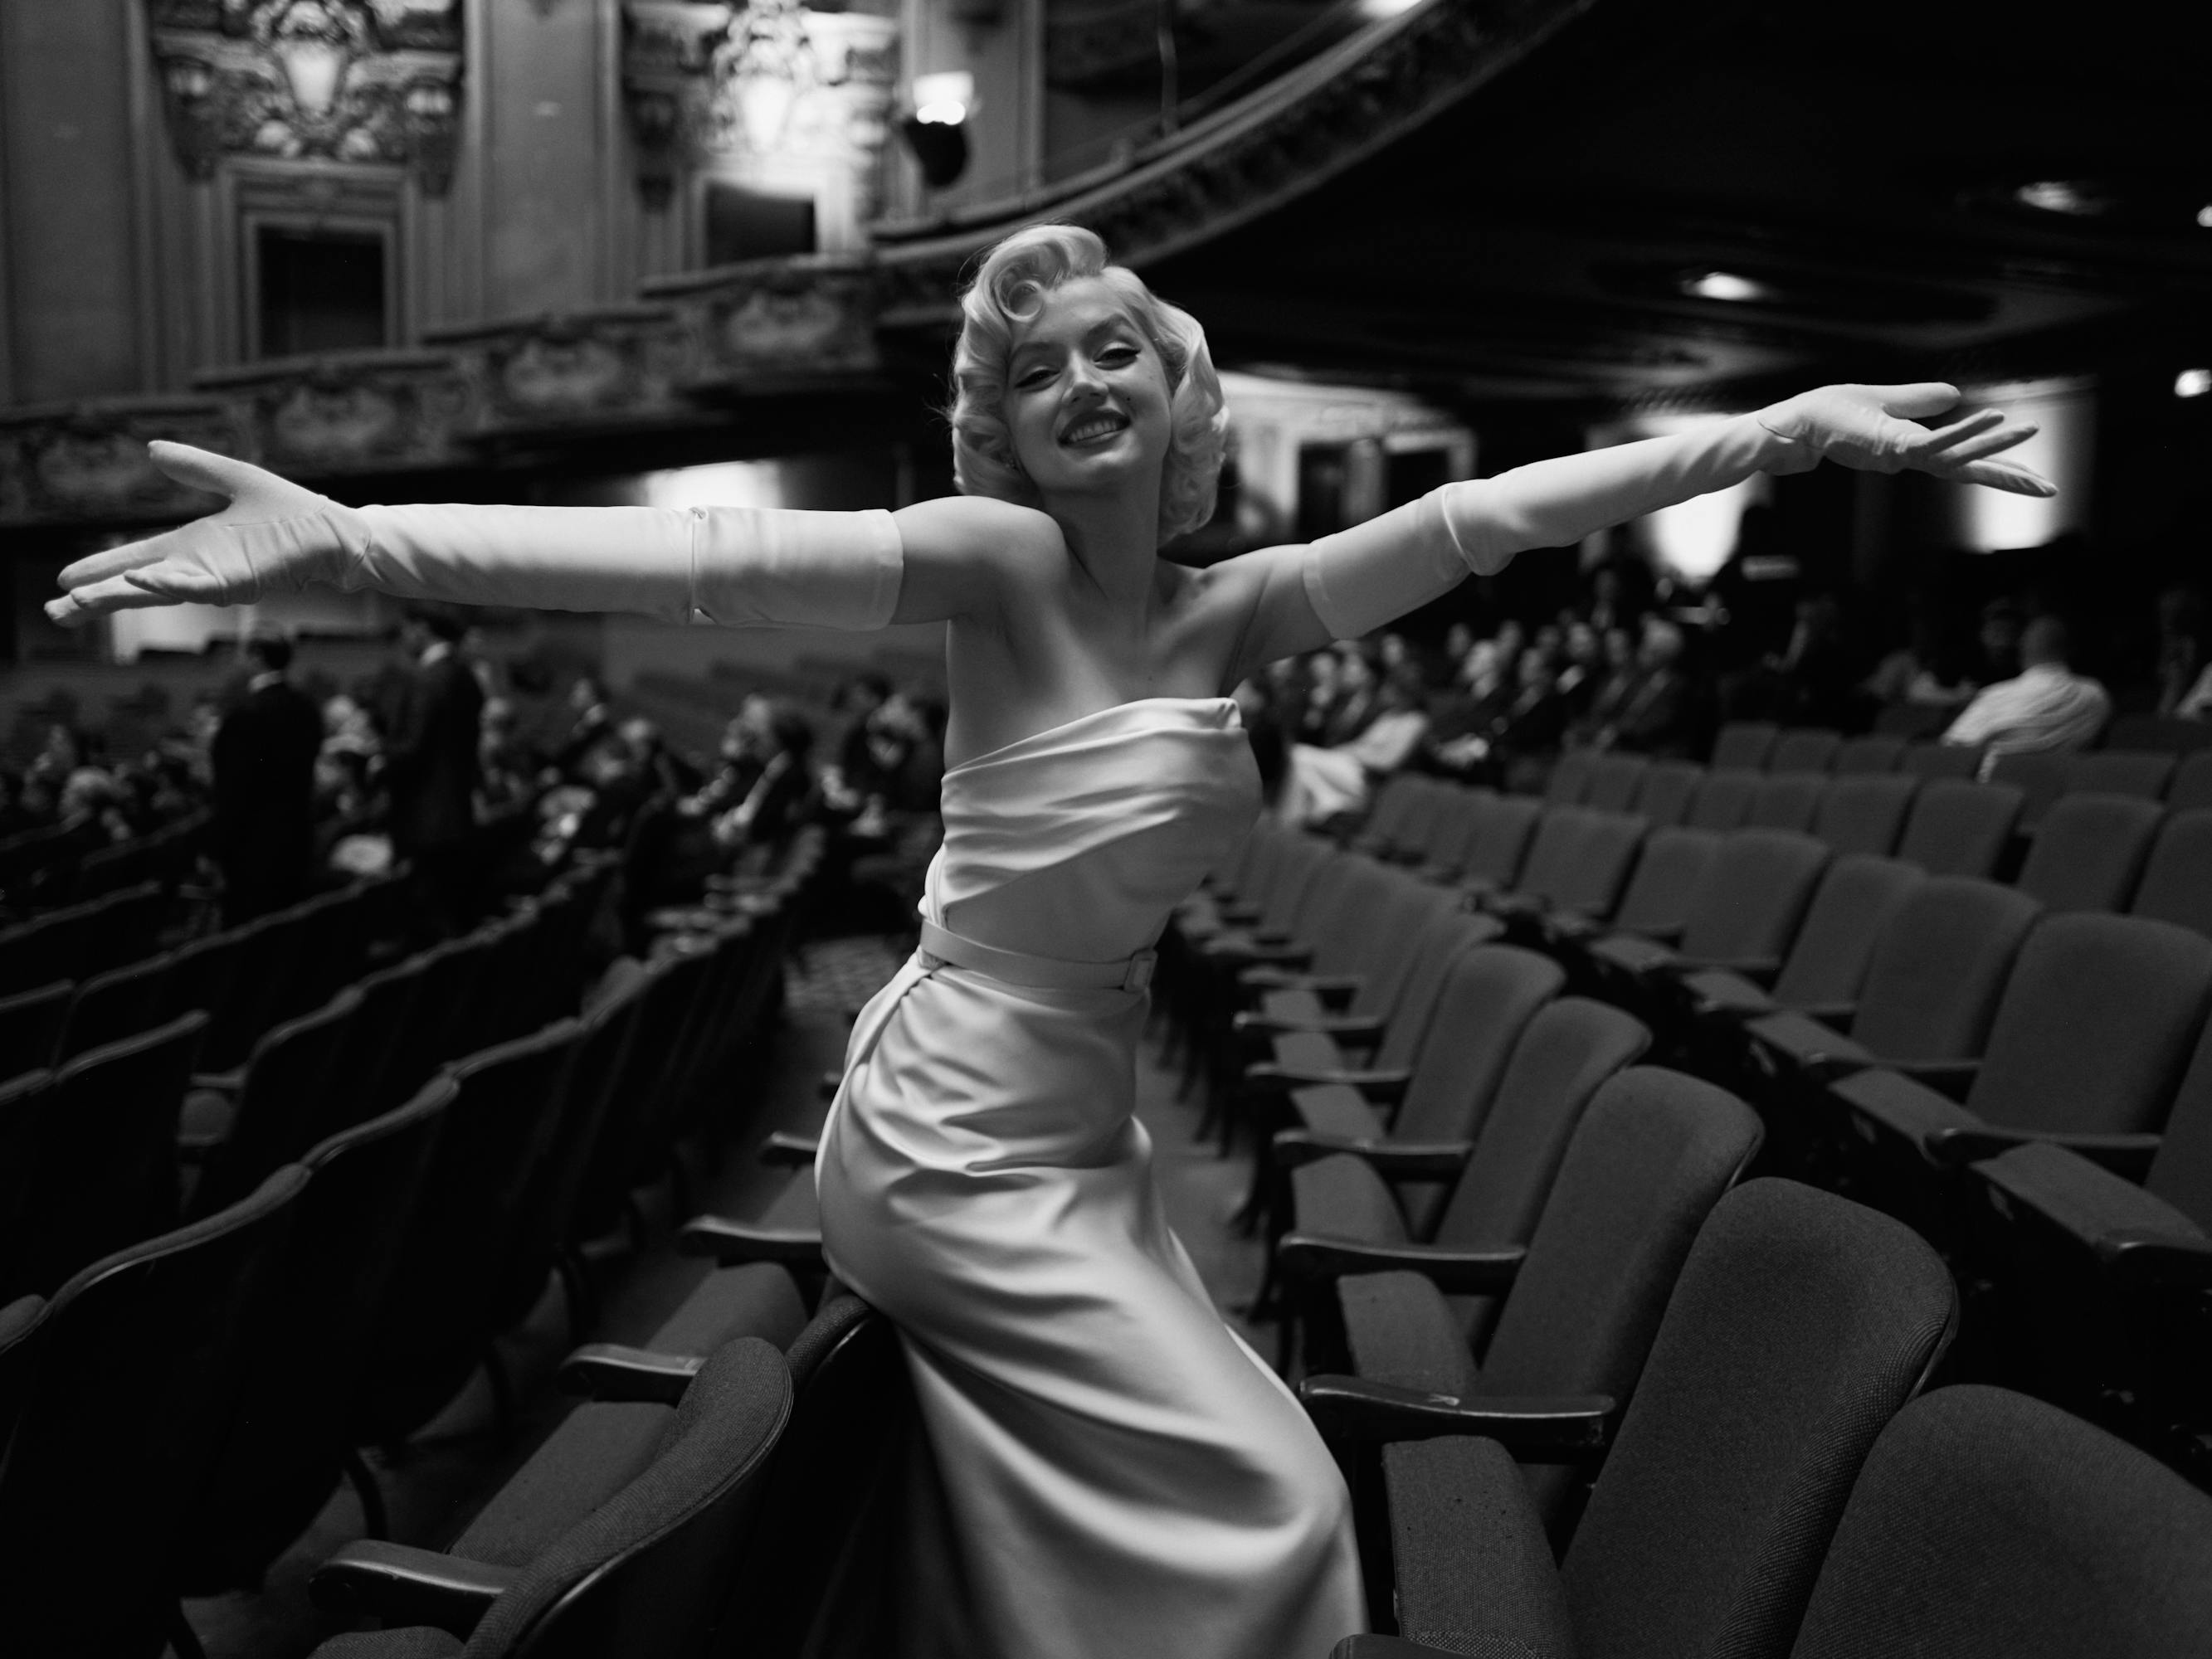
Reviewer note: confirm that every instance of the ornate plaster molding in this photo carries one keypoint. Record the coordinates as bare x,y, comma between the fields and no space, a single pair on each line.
773,321
330,80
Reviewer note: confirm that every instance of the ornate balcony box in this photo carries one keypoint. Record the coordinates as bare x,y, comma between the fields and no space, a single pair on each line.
771,325
352,411
615,364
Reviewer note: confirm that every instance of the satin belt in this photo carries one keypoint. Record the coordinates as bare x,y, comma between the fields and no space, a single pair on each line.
939,947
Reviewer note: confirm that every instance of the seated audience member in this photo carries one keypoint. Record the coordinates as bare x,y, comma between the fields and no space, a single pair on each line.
588,703
1322,783
2184,667
1657,715
505,778
1358,695
2047,706
1533,720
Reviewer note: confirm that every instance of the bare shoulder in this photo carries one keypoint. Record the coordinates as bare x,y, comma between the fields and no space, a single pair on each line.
976,527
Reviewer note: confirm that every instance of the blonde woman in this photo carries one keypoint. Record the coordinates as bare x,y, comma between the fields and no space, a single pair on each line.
1126,1478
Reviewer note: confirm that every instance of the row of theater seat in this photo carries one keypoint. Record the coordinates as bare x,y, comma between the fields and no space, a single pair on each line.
387,1183
1518,1244
64,864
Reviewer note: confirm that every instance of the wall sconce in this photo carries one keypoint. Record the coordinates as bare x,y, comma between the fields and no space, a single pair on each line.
936,129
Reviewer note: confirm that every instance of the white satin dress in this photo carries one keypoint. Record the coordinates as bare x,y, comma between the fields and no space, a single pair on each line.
1126,1478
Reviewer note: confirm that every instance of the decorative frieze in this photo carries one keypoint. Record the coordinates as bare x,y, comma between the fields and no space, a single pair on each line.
615,363
88,461
332,80
356,412
778,320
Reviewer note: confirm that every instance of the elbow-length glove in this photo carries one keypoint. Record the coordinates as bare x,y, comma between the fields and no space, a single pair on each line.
1358,578
735,565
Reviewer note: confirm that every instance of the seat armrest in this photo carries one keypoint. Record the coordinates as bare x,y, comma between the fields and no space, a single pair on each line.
783,1149
1837,1014
2157,1261
2127,1156
1571,925
1561,1429
1336,988
1501,903
1251,1024
613,1371
1431,1160
1312,1257
402,1585
1383,1087
732,1241
1761,971
1951,1076
228,1083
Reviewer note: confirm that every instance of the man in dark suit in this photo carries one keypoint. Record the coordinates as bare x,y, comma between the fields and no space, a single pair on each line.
263,761
430,771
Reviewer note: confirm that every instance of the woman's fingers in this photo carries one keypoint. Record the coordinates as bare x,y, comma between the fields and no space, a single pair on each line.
2009,476
1972,426
80,605
99,567
168,580
1987,443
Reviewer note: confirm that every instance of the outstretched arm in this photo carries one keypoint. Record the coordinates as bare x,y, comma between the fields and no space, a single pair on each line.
1342,586
735,565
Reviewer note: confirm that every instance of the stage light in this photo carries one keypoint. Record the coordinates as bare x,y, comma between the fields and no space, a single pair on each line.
1725,285
2192,382
1378,9
2204,217
2066,195
942,100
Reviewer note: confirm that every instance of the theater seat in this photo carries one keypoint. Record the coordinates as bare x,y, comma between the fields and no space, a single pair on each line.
1348,1193
102,1156
1800,1324
303,1359
1650,1157
135,1380
31,1026
626,1554
1986,1525
2177,879
2088,852
1489,996
1958,828
2088,1046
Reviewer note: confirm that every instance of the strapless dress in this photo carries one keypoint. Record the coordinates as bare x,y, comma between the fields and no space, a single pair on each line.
1125,1478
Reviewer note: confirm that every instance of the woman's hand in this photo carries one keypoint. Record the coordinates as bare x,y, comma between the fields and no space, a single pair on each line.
1875,429
275,537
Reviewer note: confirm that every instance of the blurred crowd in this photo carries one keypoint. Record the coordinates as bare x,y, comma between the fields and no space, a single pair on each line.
477,773
1610,672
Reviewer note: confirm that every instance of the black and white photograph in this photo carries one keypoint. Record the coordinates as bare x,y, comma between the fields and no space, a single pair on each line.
1105,829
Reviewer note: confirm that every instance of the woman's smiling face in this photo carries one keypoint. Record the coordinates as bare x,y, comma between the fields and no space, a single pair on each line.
1087,398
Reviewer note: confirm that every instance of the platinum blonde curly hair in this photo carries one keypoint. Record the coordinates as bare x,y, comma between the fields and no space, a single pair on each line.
1014,277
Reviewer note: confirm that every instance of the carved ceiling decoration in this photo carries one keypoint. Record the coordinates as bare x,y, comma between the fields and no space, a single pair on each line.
373,80
709,83
1295,134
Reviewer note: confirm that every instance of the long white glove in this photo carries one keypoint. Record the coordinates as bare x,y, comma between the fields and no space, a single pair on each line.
735,565
1358,578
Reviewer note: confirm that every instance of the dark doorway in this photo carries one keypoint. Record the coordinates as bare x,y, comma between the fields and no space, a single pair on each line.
320,290
754,224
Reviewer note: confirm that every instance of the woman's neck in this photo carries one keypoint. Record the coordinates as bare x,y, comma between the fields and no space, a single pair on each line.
1116,539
